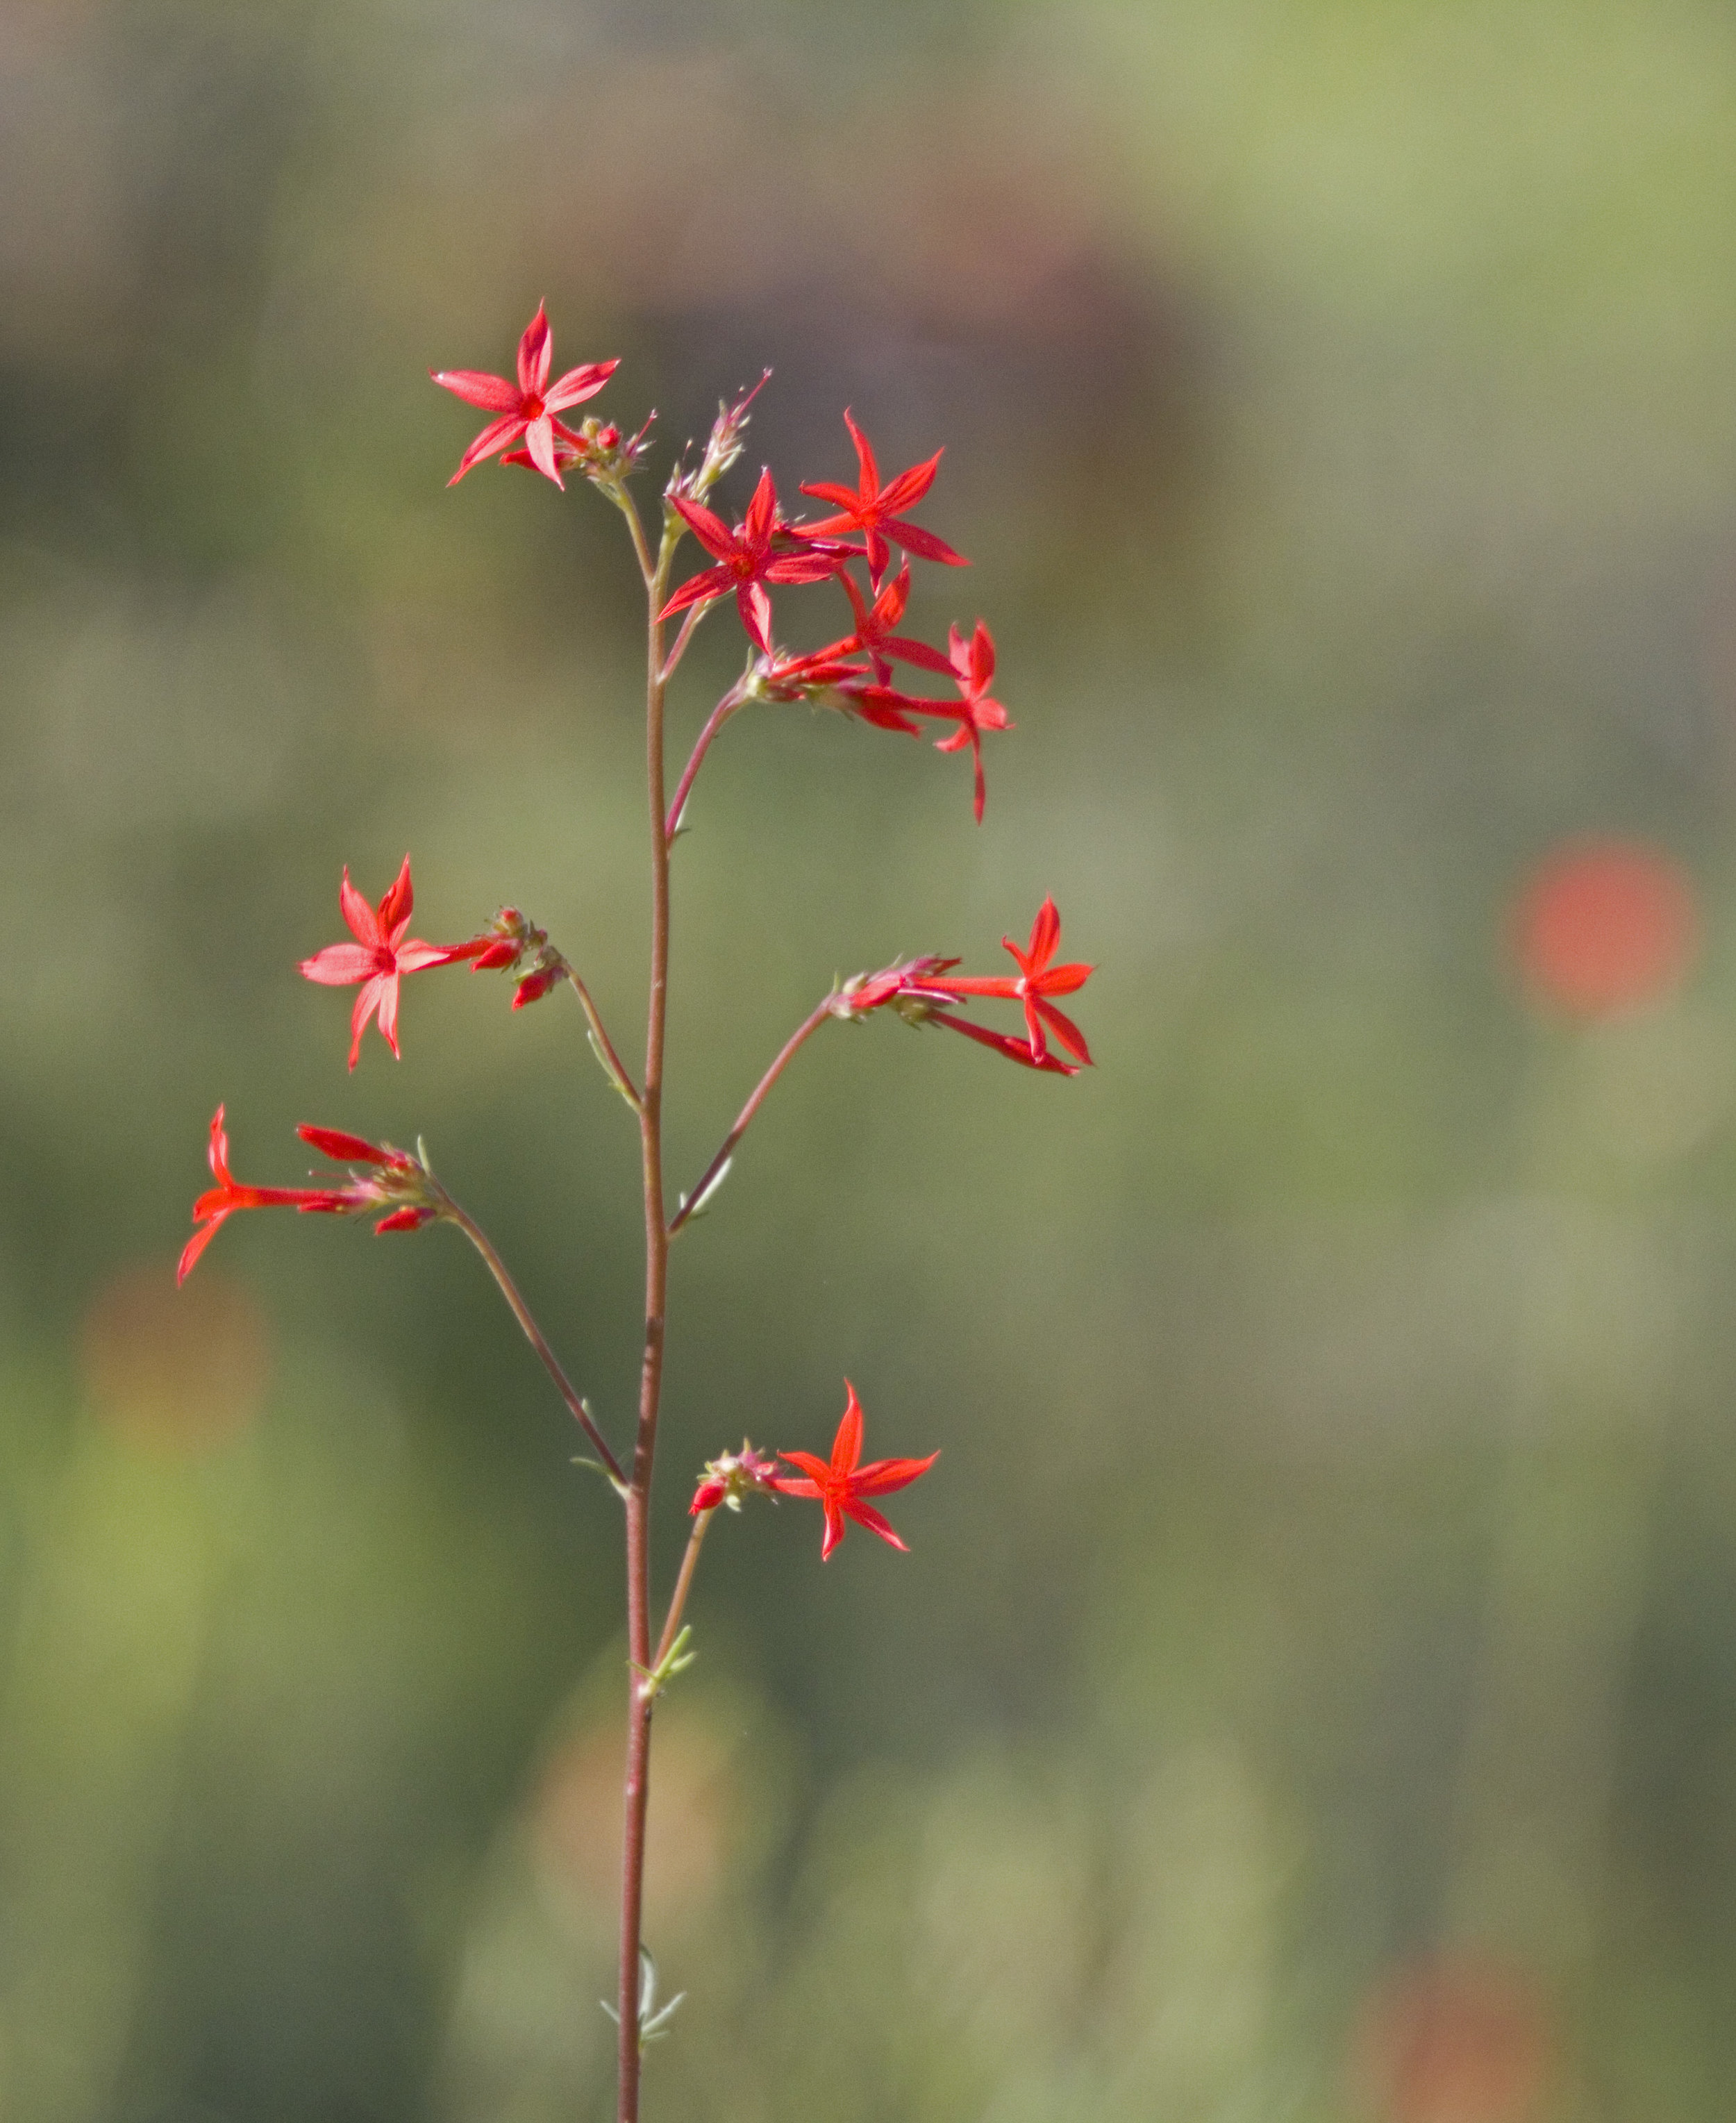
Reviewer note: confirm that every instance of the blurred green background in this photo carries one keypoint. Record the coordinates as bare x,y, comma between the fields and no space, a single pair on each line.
1312,1693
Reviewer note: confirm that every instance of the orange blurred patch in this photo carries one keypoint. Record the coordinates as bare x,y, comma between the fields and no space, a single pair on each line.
1604,927
575,1815
1454,2041
180,1370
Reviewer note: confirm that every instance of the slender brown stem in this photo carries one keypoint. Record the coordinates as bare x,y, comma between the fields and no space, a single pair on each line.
804,1031
534,1334
617,1067
636,1792
678,1598
720,714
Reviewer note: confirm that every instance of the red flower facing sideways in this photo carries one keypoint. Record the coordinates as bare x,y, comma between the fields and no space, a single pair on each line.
218,1203
973,672
761,549
526,409
877,510
841,1484
379,955
1037,980
390,1179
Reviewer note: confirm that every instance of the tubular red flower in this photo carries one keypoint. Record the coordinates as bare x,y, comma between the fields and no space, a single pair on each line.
876,509
1037,980
379,956
761,549
873,635
391,1179
217,1204
840,1484
527,409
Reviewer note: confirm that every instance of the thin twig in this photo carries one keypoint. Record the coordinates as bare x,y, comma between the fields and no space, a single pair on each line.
678,1598
593,1018
534,1334
720,714
707,1179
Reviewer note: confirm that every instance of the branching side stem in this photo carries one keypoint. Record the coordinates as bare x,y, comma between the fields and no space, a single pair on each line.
720,714
594,1019
787,1053
678,1598
534,1334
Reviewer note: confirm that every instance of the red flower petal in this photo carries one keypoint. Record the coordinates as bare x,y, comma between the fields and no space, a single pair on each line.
818,1467
539,441
847,1445
868,468
1002,1043
699,589
489,394
536,351
865,1515
196,1245
881,1476
909,488
712,532
1059,1022
397,905
755,606
496,436
579,384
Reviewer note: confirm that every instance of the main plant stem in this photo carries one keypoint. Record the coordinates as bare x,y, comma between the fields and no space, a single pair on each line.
639,1697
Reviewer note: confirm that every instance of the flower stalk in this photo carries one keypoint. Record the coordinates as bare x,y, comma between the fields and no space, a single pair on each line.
852,675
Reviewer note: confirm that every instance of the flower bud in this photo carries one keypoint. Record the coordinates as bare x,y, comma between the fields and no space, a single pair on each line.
732,1476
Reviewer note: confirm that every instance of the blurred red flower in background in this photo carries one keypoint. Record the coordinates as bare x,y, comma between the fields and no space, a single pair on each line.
1605,927
1454,2041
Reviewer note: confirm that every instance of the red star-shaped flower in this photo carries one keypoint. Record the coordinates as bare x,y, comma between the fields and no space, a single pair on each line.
840,1484
1037,980
877,510
379,955
527,408
873,636
761,549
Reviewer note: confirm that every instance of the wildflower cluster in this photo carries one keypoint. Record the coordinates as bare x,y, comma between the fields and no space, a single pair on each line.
852,549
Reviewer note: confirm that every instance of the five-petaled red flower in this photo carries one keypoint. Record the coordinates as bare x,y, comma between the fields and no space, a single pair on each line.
1036,981
918,989
528,407
840,1484
876,509
379,955
761,549
874,623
